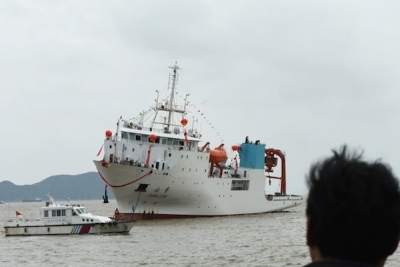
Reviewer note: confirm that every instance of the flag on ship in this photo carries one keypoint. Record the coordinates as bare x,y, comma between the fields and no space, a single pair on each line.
18,214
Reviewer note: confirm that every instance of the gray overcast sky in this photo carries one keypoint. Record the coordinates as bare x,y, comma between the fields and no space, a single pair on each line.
301,76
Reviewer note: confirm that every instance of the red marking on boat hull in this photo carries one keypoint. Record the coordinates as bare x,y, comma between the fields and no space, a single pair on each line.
151,216
85,229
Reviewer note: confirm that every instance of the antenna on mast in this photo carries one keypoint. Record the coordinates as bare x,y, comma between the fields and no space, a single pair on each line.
171,100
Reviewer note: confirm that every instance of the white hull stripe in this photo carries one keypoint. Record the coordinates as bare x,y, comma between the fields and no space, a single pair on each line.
76,229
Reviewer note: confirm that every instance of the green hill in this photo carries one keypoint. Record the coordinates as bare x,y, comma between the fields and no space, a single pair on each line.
84,186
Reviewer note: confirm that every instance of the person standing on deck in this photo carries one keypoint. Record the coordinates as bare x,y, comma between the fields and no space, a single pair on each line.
116,213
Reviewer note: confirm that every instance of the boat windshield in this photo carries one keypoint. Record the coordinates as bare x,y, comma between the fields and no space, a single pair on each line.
80,210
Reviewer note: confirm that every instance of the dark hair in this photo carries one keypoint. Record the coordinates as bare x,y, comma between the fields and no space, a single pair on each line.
353,208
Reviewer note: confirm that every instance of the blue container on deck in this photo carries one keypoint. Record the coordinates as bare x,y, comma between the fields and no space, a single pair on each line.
252,155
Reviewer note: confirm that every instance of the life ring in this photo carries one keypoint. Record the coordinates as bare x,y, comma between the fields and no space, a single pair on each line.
121,217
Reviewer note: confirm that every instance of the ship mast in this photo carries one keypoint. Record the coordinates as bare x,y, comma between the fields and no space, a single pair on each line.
171,101
169,107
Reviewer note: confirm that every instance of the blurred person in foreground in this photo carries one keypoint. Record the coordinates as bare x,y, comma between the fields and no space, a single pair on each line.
353,211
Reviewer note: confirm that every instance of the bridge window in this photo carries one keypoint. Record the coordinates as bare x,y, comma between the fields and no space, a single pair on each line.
124,135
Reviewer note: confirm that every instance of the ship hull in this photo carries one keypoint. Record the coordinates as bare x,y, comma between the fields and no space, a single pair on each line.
186,191
29,229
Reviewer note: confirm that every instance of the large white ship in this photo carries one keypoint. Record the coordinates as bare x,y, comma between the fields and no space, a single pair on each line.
160,169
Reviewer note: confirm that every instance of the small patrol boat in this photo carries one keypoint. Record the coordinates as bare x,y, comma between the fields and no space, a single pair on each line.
66,219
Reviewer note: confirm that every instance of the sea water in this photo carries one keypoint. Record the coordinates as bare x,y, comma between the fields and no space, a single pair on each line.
272,239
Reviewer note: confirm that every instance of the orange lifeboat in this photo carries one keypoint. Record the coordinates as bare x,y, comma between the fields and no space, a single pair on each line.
218,154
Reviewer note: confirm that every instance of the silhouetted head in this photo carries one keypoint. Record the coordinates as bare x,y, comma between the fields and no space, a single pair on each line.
353,209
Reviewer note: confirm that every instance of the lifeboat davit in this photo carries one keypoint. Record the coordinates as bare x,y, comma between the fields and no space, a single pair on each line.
218,154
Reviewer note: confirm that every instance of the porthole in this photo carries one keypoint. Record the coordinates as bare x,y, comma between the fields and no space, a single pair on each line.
133,149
